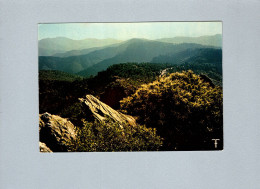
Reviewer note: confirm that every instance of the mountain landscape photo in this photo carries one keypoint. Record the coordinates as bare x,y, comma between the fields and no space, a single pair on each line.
151,86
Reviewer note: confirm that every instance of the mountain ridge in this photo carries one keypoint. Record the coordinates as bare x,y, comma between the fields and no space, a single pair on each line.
51,46
211,40
100,58
137,52
59,46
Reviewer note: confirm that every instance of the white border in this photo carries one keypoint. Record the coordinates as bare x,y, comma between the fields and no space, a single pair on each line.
21,164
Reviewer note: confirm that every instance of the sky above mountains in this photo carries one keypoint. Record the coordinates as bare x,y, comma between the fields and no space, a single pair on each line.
124,31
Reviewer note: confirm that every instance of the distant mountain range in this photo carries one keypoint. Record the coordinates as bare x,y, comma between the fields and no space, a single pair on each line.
214,40
90,56
59,45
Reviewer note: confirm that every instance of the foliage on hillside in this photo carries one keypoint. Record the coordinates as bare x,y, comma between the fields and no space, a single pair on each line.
143,72
54,95
126,75
119,81
207,61
213,71
111,136
187,111
57,75
140,73
146,72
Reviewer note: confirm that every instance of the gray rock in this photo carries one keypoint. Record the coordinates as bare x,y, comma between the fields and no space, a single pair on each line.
56,132
44,148
101,111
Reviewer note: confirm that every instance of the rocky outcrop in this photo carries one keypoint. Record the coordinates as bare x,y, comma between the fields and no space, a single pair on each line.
101,111
56,132
44,148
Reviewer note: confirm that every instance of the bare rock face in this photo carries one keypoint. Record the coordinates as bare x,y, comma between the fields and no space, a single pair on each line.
44,148
56,132
101,111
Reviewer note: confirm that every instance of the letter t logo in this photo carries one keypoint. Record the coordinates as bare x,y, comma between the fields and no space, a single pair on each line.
216,142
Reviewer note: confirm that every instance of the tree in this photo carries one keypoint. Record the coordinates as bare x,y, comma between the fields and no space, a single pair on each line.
186,110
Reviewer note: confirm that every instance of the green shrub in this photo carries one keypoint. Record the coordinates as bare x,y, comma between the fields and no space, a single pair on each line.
111,136
186,110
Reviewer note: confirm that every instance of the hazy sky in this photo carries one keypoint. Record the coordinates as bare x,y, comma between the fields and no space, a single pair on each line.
148,30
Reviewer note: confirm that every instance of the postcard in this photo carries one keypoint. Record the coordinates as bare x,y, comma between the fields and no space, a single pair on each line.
140,86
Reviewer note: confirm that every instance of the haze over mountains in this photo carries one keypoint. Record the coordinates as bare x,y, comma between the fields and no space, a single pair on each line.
52,46
89,56
215,40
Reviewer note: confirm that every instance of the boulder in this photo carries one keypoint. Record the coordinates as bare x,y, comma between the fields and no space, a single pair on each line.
56,132
44,148
100,111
